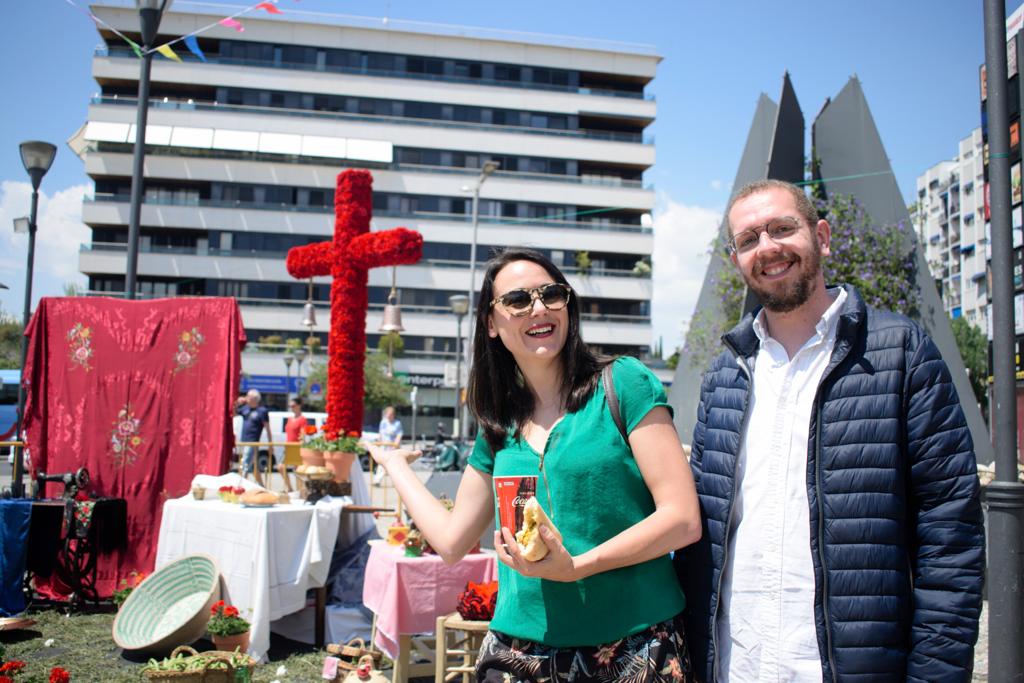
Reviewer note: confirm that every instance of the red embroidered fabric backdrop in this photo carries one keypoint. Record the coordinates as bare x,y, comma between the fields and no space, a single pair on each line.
141,393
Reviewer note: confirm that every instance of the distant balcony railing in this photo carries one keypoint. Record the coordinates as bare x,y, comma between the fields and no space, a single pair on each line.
605,226
190,105
121,247
406,308
125,52
202,153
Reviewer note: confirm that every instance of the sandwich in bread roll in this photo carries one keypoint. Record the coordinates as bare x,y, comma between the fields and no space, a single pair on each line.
531,545
259,497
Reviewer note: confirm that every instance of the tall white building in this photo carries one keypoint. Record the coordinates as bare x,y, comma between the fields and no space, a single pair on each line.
950,221
243,149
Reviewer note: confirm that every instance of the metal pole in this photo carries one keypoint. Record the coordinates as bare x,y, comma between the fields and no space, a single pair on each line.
461,411
1005,496
149,19
458,377
17,485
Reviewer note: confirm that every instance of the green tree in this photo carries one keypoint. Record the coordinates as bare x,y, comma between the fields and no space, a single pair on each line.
10,341
379,389
974,350
394,341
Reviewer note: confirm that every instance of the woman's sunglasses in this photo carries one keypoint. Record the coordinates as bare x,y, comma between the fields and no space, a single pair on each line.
519,302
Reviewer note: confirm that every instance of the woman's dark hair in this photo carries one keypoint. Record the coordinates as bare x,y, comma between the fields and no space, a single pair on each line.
496,393
296,401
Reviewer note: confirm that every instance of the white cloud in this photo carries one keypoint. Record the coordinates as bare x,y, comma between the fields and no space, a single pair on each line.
716,184
59,234
682,235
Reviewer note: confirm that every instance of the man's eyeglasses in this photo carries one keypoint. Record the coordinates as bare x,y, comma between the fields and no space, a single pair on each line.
519,302
777,229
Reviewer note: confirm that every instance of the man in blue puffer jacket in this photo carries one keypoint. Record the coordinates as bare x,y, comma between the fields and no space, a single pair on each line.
842,527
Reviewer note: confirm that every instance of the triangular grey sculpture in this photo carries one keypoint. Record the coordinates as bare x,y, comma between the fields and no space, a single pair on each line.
775,141
851,160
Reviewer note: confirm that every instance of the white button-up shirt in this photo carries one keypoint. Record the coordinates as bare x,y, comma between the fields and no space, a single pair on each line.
766,626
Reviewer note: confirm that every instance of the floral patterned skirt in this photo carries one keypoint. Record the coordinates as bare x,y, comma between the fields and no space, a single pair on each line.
655,654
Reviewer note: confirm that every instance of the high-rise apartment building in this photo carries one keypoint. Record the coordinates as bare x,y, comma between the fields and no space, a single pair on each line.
243,149
950,221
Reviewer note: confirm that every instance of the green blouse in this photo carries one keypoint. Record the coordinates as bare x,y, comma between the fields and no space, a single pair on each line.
597,491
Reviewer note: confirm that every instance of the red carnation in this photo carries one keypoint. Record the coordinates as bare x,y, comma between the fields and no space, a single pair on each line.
12,667
217,606
309,429
59,675
231,611
6,679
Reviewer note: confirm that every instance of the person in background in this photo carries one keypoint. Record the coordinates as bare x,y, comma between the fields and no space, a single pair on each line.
389,436
256,419
293,432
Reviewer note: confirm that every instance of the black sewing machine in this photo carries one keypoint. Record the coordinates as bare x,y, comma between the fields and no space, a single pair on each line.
73,482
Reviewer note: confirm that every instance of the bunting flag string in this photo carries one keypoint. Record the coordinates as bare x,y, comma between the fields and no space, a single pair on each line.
269,6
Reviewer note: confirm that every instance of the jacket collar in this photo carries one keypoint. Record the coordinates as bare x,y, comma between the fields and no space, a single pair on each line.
743,340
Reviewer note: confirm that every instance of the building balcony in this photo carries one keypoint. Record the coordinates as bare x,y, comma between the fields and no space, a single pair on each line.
397,131
187,58
195,106
236,205
120,247
423,275
398,178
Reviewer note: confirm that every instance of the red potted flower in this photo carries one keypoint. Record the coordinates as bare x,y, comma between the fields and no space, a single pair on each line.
227,628
340,451
311,449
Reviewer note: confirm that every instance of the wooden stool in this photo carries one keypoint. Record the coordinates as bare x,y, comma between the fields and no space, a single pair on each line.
466,637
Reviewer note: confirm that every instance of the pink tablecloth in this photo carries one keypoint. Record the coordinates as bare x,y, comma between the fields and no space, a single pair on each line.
408,594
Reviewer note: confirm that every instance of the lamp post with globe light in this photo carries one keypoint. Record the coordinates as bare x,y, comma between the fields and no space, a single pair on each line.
37,157
460,306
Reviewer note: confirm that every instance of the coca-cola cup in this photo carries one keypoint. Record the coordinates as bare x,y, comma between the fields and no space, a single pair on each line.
513,494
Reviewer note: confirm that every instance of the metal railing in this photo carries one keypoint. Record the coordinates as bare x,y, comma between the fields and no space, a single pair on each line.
407,308
253,253
119,52
191,105
467,171
101,197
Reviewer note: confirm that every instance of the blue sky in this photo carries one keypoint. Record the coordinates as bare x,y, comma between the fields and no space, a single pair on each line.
917,61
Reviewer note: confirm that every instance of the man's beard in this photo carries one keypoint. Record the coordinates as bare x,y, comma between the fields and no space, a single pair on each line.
791,295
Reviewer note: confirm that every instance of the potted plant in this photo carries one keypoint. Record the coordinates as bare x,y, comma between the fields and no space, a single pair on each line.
340,451
127,586
227,628
311,450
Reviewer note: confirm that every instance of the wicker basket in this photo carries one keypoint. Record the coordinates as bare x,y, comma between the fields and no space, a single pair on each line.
218,670
170,607
355,649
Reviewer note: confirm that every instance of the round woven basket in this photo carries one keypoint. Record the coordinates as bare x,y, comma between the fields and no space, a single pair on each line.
170,607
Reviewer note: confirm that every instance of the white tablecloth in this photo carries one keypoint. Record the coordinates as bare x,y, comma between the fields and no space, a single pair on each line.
268,557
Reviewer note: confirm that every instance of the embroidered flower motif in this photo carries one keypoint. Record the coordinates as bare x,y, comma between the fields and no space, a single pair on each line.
124,438
80,346
187,354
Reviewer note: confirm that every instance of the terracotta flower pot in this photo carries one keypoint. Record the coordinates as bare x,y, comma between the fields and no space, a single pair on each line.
340,463
311,457
229,643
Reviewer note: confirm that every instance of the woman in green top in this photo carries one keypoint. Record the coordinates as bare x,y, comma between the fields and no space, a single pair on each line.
604,603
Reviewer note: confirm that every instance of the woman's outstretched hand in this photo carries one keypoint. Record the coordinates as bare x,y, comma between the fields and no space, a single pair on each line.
383,456
557,565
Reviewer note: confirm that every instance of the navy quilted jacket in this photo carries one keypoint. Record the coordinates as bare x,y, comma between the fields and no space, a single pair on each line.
896,530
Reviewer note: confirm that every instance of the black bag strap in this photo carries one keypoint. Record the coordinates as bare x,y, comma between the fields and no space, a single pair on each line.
613,399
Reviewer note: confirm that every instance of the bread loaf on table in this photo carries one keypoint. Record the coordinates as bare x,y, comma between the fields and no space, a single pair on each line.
259,497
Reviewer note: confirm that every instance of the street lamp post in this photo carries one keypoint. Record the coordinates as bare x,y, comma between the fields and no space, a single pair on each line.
150,13
288,358
37,157
300,355
460,306
488,168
